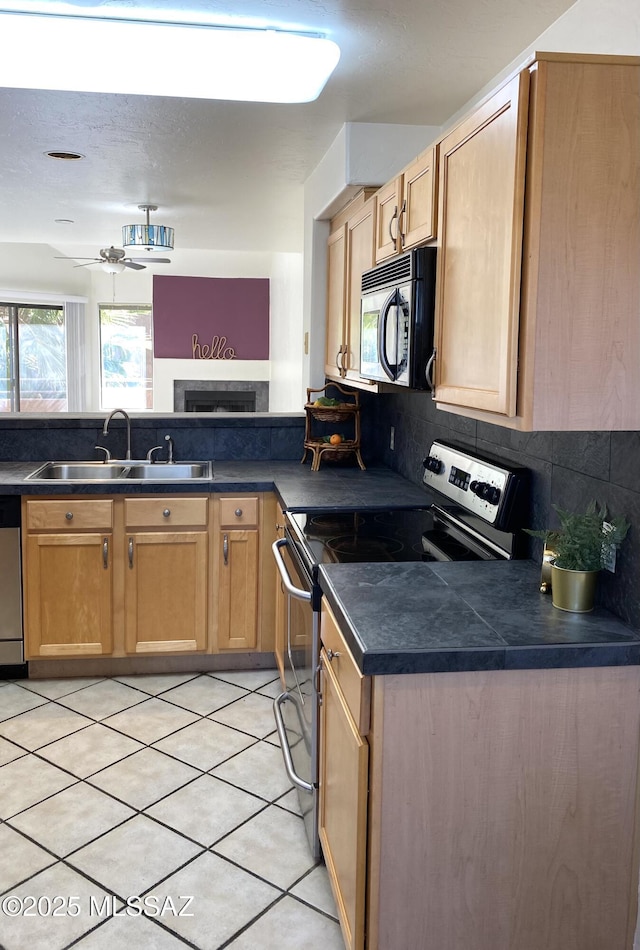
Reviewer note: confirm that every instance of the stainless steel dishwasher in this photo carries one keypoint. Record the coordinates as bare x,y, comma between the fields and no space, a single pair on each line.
11,640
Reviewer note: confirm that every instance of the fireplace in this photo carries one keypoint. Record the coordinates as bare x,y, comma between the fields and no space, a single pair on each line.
219,395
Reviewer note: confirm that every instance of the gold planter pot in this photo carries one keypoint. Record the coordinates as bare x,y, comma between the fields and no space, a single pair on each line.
573,590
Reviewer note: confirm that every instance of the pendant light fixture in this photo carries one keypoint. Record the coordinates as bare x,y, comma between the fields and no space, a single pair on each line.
148,237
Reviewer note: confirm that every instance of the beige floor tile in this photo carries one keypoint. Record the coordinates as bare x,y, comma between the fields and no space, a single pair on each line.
273,738
134,857
249,679
15,700
259,769
103,699
289,925
225,898
9,751
154,684
273,845
205,743
42,725
252,714
206,809
149,721
144,777
204,694
55,688
315,889
136,933
48,932
71,818
27,781
20,859
90,750
272,689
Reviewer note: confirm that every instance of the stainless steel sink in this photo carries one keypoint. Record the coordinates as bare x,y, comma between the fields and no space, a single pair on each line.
123,471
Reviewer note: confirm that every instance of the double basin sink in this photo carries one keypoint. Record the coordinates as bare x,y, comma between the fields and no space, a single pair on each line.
123,470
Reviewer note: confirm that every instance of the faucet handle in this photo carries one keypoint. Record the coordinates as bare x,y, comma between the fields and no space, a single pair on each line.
107,453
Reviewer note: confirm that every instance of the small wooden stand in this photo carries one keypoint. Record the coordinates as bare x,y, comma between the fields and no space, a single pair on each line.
344,412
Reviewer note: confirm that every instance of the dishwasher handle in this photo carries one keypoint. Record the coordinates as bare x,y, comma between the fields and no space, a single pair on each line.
296,592
284,744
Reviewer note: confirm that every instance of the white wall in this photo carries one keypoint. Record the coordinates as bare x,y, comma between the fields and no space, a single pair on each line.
32,268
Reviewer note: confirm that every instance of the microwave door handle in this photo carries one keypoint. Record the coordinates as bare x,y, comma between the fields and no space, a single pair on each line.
391,300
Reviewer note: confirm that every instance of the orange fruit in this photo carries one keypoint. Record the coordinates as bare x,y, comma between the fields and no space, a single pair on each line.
335,439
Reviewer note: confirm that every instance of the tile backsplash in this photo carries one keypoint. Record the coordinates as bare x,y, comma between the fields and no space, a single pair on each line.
567,469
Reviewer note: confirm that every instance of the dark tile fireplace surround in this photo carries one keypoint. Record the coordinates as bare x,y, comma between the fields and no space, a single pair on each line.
220,395
568,468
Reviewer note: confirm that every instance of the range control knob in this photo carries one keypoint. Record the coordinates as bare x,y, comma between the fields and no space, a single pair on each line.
433,464
485,491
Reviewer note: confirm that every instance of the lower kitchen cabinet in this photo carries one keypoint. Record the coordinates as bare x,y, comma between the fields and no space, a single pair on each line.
68,578
166,574
493,810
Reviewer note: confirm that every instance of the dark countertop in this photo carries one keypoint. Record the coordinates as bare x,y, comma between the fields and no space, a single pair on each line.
423,617
296,485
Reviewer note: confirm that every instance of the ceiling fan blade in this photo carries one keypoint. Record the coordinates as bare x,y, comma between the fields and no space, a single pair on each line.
151,260
132,265
76,259
88,264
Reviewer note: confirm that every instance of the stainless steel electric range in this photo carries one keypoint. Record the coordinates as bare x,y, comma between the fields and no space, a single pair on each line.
474,510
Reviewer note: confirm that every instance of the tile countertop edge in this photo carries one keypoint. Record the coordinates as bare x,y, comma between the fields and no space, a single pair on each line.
501,656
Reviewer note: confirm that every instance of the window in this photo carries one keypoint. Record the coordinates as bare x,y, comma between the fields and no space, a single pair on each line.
33,360
126,358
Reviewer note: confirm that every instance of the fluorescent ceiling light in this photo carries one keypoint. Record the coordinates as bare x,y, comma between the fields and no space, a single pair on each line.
162,59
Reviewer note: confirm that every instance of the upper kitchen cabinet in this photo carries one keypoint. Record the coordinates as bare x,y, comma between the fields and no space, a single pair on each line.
406,208
538,295
350,254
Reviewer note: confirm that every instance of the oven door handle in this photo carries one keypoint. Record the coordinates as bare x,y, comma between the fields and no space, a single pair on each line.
284,744
296,592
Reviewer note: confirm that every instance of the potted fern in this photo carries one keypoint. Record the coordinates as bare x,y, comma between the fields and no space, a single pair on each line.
581,547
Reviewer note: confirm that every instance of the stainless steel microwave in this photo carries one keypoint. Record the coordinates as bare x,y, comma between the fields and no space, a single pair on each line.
396,319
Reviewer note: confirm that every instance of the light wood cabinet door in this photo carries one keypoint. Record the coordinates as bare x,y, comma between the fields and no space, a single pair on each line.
482,179
419,201
388,204
166,591
360,257
344,769
238,589
68,594
336,302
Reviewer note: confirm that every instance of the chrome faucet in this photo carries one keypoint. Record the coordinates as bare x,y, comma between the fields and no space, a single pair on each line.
105,428
169,442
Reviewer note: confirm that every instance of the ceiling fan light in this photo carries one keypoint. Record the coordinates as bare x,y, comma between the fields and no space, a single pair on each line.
148,237
113,267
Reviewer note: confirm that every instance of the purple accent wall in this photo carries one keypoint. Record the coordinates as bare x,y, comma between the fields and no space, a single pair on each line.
210,317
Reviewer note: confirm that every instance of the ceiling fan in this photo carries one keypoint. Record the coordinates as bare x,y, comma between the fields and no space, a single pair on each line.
114,260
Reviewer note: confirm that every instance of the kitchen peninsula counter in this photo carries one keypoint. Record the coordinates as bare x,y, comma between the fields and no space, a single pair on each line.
421,617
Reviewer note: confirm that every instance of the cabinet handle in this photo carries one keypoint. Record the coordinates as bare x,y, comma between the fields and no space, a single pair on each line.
394,217
338,355
238,512
130,553
69,516
344,361
166,513
105,553
332,653
401,235
225,548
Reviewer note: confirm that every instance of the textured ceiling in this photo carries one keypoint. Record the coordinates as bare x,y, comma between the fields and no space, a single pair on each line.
229,175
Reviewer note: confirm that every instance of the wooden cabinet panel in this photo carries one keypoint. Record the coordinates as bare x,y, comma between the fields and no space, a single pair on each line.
355,687
166,592
238,589
241,511
336,302
344,765
418,221
68,595
360,257
482,169
69,514
388,203
167,511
